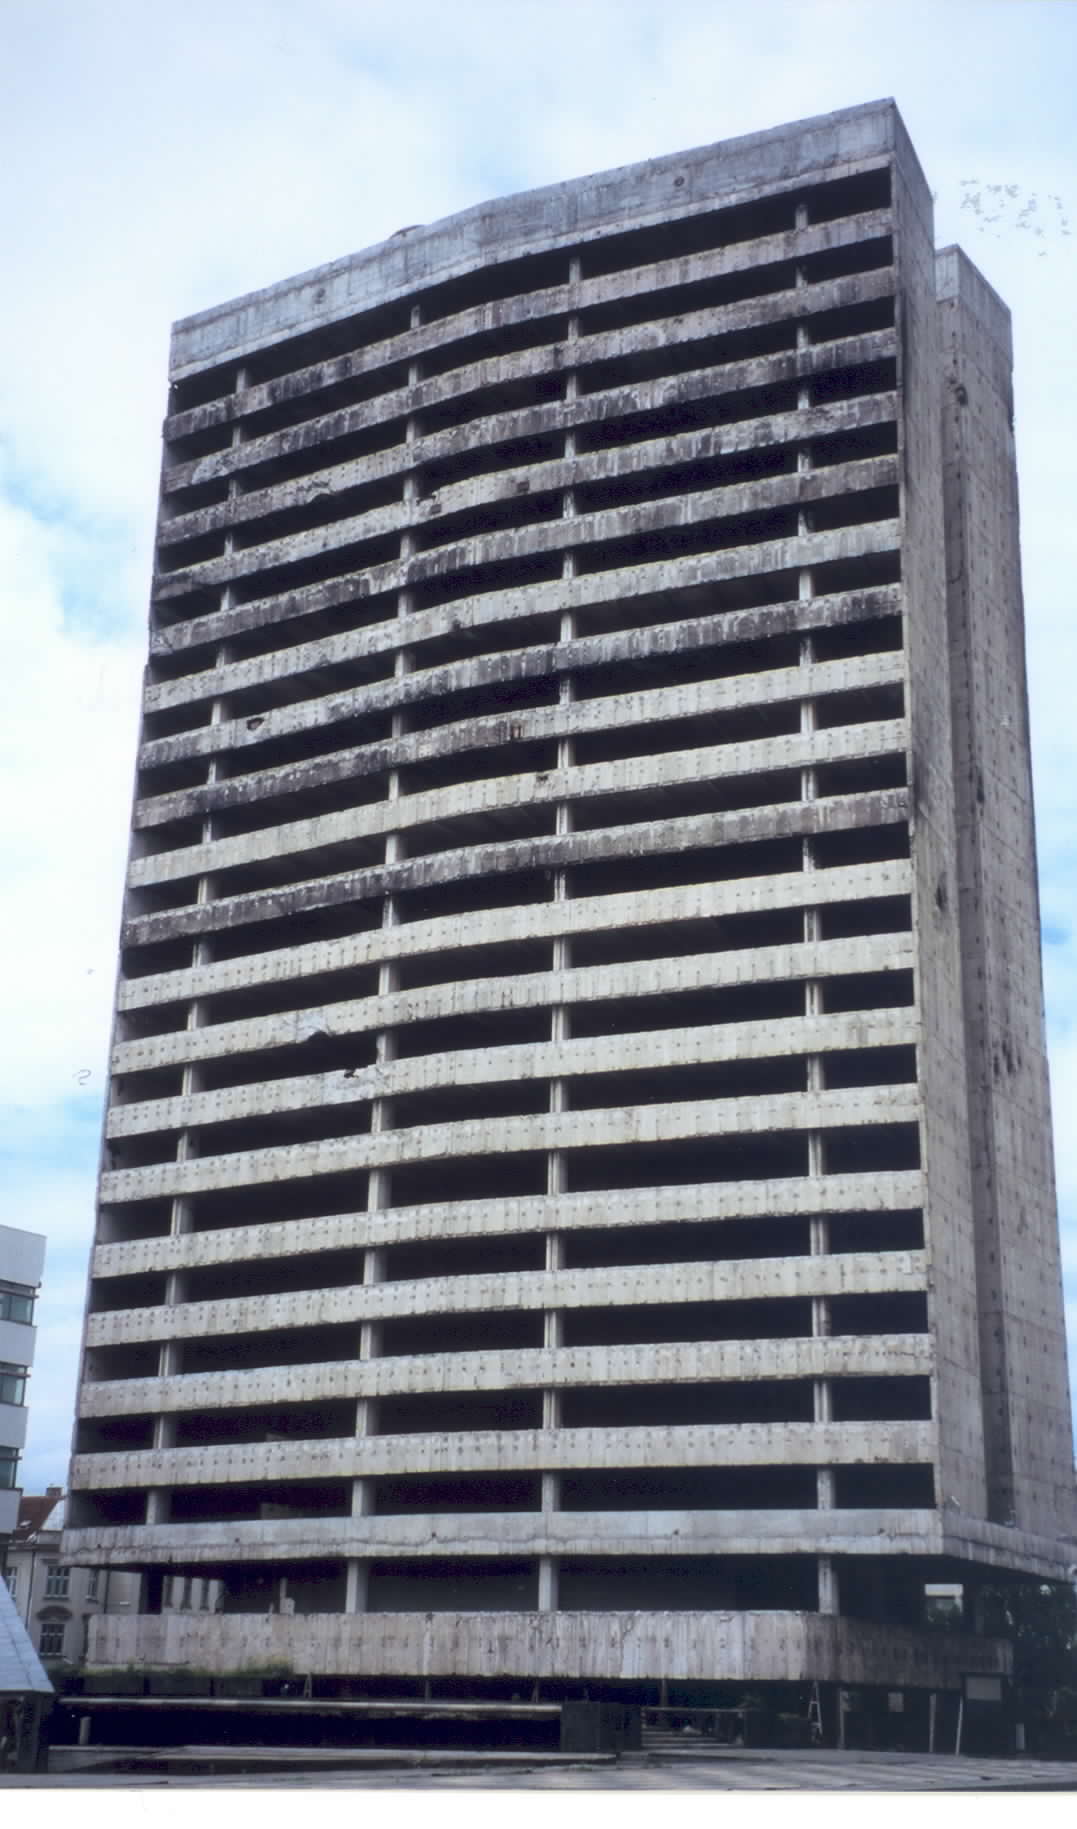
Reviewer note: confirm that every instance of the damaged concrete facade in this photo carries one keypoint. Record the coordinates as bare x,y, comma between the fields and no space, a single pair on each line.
577,1201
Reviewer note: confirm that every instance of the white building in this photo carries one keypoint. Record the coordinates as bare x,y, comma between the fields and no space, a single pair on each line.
55,1601
22,1261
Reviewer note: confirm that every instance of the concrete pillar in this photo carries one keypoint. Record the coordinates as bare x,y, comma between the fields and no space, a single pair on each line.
547,1584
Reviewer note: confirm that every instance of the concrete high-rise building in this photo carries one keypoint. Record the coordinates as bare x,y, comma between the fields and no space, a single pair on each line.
577,1206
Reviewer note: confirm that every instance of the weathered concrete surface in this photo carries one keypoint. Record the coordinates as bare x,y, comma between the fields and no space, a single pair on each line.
547,782
681,184
776,1646
1019,1283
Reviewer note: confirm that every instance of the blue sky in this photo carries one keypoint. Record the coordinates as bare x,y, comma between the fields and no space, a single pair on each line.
160,160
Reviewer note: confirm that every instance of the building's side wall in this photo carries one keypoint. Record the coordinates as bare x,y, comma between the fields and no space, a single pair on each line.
1022,1330
948,1210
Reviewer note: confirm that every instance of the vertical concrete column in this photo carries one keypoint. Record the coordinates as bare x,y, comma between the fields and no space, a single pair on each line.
379,1185
560,1018
170,1359
815,1078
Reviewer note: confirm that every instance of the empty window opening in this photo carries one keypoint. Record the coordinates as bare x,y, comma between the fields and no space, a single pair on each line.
712,1241
764,856
459,1412
529,509
884,1488
857,508
273,1275
278,1200
859,319
134,1359
503,825
467,1178
890,914
673,356
470,1585
461,457
314,1053
488,1255
286,1129
107,1294
870,1067
653,545
853,257
133,1219
883,1231
686,405
226,1504
483,1029
865,190
446,706
688,235
740,1079
507,959
276,1346
902,1311
753,1002
473,640
310,800
648,609
93,1510
690,1489
862,775
774,1400
852,382
680,939
667,1584
872,1149
867,990
308,992
433,900
878,634
489,1331
329,911
450,769
476,1492
470,1103
849,447
299,865
645,672
749,724
113,1434
774,1157
783,1318
690,478
861,845
164,956
897,1399
325,1421
729,793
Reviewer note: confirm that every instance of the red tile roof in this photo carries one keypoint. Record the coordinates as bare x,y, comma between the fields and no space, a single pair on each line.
34,1512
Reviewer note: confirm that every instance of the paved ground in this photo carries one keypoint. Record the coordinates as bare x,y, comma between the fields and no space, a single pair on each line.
731,1770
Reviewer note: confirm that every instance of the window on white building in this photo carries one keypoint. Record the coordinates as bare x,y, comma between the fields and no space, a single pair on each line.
57,1581
11,1576
93,1584
16,1302
51,1642
12,1383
